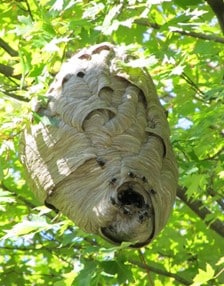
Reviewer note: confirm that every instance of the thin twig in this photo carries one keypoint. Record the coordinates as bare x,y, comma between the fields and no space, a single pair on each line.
8,71
29,10
220,201
145,22
15,96
193,86
199,35
16,195
142,258
8,49
150,268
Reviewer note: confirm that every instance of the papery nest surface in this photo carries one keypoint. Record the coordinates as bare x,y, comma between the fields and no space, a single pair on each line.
101,153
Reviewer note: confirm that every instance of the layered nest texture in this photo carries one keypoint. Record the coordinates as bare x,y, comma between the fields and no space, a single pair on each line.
101,152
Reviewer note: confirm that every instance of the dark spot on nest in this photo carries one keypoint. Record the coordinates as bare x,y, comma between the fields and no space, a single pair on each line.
112,200
85,57
131,175
101,48
144,179
66,78
80,74
141,217
113,181
100,162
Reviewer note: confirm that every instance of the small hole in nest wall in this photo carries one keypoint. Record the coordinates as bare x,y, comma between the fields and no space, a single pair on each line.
101,162
80,74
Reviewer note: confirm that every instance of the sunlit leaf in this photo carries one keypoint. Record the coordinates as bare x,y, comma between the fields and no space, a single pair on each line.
204,275
24,228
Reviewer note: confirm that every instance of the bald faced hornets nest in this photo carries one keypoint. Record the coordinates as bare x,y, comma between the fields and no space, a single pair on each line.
101,152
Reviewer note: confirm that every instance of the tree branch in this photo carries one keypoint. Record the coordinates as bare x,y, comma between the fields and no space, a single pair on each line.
145,22
199,35
198,207
220,201
193,85
15,194
8,49
160,272
29,10
15,96
217,7
8,71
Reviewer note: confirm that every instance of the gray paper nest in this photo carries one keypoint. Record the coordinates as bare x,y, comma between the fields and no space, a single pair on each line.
103,156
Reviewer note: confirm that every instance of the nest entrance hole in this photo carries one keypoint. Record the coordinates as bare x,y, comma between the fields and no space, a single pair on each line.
130,197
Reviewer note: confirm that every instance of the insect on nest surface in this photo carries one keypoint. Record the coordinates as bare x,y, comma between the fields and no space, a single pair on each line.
103,156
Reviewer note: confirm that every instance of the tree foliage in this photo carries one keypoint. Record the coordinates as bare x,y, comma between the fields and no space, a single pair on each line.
181,44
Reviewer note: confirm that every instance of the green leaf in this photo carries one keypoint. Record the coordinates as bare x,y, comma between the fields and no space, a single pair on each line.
121,271
204,275
6,197
27,227
185,3
221,261
195,183
85,275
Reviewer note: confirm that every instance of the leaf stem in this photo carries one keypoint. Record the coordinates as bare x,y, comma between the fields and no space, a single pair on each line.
142,258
